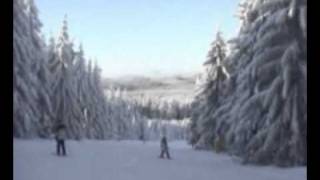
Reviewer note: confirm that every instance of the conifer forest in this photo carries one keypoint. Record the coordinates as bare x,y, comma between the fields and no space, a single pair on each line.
248,103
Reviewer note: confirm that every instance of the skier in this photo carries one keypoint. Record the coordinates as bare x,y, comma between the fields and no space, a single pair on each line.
164,148
60,137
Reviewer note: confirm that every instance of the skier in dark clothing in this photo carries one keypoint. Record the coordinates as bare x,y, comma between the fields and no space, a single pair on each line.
164,148
60,138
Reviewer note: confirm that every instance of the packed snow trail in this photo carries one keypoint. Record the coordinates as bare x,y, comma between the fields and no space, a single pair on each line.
133,160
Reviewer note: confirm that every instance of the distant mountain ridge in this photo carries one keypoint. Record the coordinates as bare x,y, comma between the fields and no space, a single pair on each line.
174,87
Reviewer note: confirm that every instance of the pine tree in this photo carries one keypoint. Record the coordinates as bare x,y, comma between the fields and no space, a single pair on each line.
79,75
66,109
32,109
215,75
40,67
264,118
101,122
196,107
21,88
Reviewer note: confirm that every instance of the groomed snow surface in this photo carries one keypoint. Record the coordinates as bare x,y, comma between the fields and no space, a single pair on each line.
134,160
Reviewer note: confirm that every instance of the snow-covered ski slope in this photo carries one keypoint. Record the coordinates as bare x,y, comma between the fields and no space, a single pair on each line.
133,160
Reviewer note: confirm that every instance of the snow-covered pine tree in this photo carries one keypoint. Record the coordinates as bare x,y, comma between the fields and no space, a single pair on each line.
40,67
196,107
102,124
91,103
32,109
215,74
23,93
66,108
264,119
79,75
140,122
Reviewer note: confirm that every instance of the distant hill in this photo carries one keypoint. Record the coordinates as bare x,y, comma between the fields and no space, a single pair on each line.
178,87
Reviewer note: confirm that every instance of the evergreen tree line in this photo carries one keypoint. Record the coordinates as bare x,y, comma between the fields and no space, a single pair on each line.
157,108
55,84
173,129
252,102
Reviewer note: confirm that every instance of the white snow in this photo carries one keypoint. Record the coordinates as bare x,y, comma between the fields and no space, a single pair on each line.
134,160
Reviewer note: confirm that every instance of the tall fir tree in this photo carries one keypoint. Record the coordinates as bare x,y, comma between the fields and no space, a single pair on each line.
215,74
64,96
40,67
32,108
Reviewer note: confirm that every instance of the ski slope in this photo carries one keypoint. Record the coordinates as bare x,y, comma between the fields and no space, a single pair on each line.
133,160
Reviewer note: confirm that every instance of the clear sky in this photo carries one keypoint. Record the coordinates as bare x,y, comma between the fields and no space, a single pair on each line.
142,37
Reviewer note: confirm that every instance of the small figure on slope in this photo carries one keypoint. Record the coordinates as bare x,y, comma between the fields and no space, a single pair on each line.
164,148
60,138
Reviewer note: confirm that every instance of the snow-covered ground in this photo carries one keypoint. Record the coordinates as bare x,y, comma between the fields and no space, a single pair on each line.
133,160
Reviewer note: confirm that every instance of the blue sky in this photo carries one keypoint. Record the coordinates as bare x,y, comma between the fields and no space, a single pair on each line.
142,37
